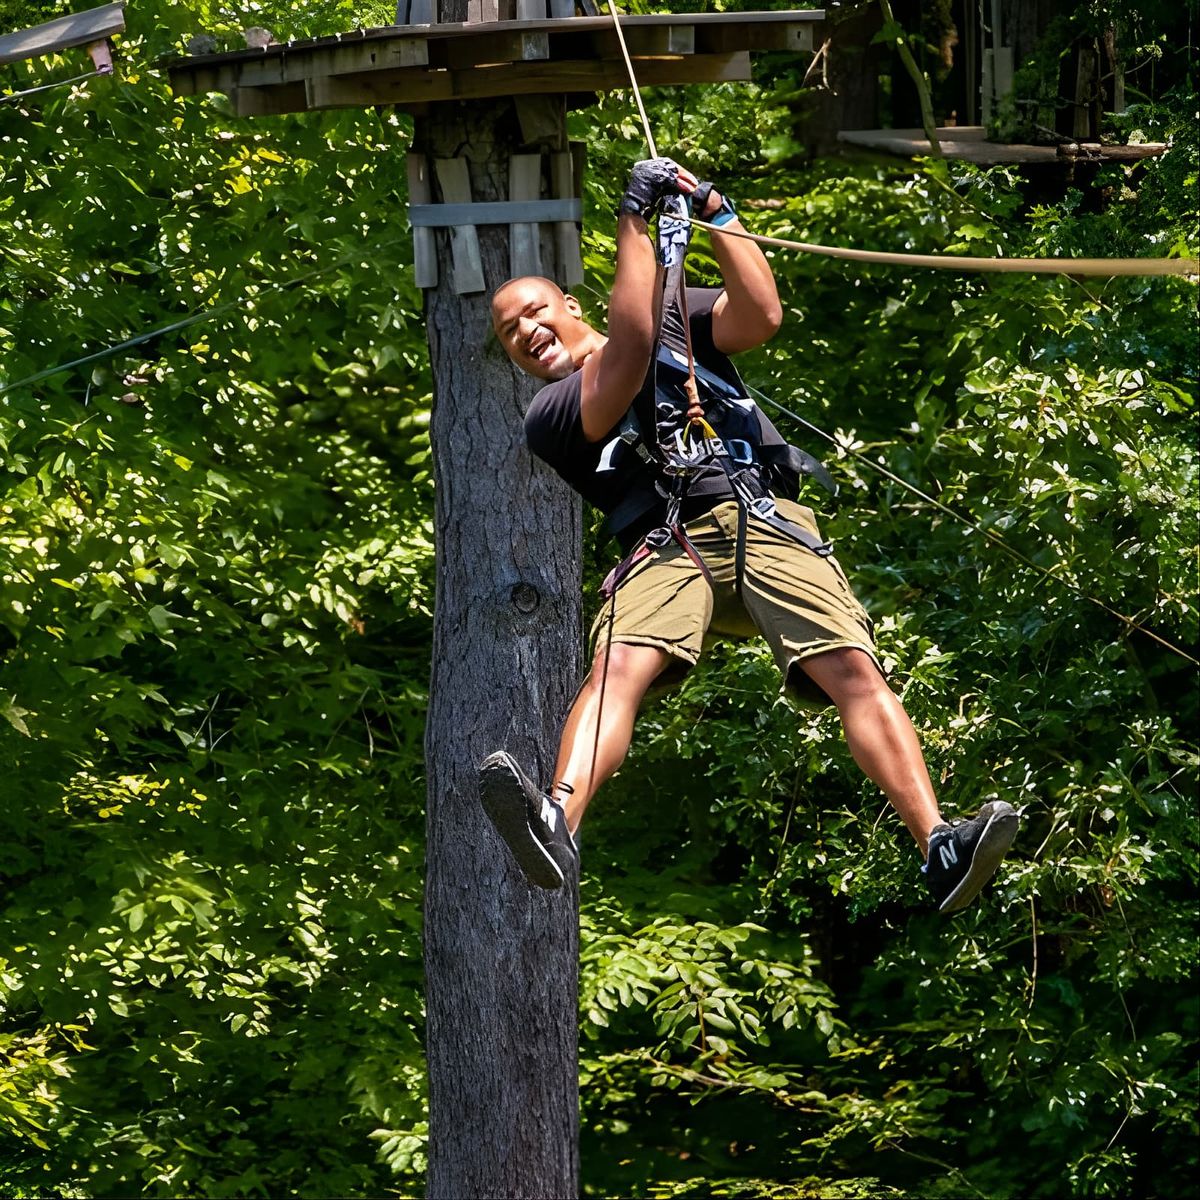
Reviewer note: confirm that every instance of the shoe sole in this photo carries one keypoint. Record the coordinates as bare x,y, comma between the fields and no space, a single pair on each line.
503,798
990,850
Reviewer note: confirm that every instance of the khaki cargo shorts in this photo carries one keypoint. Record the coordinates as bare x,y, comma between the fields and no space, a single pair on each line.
797,600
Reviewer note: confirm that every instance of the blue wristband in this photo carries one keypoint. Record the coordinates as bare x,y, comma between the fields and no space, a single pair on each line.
724,214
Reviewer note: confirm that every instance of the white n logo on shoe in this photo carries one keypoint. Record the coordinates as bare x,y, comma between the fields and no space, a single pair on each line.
948,853
549,812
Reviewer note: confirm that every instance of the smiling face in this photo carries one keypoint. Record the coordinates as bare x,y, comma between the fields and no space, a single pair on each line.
541,330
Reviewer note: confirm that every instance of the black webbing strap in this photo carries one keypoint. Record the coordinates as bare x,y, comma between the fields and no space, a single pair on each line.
627,512
762,508
798,462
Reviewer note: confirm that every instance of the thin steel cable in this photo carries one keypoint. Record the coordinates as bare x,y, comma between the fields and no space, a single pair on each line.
991,536
46,87
194,319
612,617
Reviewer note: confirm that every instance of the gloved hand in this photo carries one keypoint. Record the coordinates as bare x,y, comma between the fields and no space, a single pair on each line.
701,201
651,180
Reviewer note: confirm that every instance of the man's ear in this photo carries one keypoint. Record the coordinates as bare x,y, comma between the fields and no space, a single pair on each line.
573,305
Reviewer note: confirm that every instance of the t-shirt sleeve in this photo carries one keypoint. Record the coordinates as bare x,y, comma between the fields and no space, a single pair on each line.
553,427
700,303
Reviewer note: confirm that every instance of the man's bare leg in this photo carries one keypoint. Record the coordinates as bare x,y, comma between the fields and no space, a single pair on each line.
631,670
880,735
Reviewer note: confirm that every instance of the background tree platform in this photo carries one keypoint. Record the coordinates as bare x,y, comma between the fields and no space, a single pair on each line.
413,65
969,143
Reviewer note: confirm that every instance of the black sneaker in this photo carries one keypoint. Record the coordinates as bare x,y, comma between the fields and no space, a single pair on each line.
965,855
532,825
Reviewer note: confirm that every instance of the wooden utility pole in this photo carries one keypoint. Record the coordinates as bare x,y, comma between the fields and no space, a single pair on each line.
493,190
501,957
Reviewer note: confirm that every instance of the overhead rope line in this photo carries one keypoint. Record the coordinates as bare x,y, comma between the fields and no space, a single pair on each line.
953,262
1065,266
1037,266
637,91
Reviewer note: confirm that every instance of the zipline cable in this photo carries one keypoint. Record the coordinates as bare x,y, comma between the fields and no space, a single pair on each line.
1042,266
12,97
989,534
194,319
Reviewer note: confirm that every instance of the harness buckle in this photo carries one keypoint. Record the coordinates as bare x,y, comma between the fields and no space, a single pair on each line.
764,506
740,451
658,538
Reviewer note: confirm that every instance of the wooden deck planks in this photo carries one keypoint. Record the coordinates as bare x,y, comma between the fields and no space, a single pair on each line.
465,61
63,33
415,87
968,142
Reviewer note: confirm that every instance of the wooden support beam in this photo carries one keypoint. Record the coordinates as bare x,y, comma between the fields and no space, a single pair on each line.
645,41
354,58
524,183
63,33
516,79
425,264
720,39
493,212
417,65
521,46
455,182
566,233
268,101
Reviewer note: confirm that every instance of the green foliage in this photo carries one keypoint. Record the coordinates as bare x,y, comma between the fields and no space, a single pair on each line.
216,573
215,591
1054,1017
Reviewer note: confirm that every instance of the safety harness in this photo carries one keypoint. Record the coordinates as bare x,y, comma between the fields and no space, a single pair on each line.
723,435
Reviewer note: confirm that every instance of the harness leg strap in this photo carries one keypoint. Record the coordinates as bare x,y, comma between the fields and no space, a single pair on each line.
678,533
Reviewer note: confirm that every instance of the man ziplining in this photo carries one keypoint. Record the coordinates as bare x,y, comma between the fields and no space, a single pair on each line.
652,425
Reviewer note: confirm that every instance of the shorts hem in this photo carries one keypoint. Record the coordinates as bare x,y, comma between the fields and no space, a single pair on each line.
644,639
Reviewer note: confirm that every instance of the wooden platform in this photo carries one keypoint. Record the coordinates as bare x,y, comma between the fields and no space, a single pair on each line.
63,33
967,142
411,66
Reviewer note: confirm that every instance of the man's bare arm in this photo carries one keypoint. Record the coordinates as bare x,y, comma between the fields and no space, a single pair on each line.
613,374
749,311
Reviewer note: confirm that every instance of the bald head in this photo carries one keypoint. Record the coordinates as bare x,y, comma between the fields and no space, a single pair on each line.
542,329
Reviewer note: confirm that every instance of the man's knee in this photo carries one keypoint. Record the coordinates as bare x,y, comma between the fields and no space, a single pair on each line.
846,674
630,669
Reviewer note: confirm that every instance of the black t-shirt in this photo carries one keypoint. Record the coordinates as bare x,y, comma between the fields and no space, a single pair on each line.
607,472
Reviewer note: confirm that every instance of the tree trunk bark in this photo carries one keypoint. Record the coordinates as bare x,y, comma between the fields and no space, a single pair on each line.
501,958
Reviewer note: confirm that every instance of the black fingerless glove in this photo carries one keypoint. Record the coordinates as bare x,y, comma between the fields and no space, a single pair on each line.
699,202
650,180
